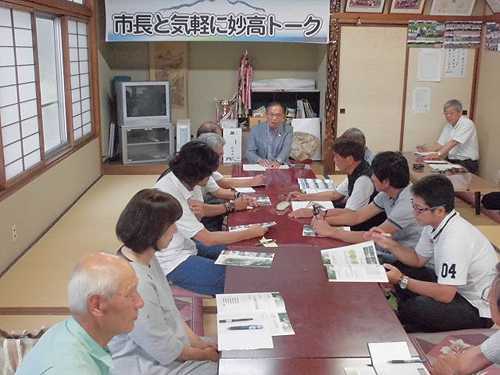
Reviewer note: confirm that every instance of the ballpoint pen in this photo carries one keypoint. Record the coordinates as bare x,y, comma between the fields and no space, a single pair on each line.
403,361
235,320
247,327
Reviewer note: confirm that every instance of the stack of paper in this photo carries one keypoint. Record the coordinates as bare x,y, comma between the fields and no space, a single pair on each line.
315,185
309,204
423,154
250,320
237,228
245,190
354,263
446,167
245,259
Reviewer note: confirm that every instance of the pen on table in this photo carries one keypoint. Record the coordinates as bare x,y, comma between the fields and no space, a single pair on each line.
402,361
235,320
247,327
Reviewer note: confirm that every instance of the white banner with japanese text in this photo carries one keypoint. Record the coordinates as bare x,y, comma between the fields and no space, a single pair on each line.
295,21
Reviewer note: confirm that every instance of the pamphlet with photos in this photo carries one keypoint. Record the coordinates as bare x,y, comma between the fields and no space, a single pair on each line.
315,185
245,259
262,200
237,228
325,205
354,263
249,320
308,231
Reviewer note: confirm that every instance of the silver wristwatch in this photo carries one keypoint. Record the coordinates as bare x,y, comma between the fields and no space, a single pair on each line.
403,282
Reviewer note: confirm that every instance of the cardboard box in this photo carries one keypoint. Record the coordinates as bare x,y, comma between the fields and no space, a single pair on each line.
254,121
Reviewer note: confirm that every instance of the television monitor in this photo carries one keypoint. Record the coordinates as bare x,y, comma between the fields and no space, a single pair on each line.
145,103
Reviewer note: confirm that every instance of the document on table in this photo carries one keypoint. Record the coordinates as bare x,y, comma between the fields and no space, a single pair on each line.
354,263
261,168
315,185
245,190
394,358
308,231
445,167
245,259
309,204
237,228
425,153
268,308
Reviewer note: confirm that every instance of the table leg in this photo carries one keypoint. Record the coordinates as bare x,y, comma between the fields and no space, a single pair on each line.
477,202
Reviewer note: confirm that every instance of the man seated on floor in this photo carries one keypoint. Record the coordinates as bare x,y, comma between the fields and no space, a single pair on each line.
270,143
391,178
458,140
104,302
440,280
357,189
210,127
357,135
187,263
474,359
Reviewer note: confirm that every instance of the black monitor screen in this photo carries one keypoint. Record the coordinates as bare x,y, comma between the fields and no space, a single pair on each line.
144,101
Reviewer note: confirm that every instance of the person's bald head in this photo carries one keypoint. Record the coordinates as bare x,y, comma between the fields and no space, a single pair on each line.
208,127
97,274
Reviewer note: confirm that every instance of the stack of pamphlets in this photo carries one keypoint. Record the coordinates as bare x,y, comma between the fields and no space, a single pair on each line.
354,263
315,185
237,228
245,259
250,320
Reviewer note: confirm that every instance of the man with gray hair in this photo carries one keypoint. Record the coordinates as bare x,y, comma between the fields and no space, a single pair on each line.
356,135
458,141
104,302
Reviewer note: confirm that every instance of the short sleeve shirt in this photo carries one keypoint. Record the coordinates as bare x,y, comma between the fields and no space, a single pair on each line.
217,176
361,192
182,246
66,348
211,186
491,348
464,132
461,256
399,212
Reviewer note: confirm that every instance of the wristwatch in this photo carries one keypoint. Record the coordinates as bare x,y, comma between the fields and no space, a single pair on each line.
403,282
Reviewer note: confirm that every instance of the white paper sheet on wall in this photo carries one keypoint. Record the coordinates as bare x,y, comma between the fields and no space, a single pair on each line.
421,99
429,65
455,62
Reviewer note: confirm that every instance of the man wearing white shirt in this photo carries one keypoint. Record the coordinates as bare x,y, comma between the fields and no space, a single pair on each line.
439,283
458,140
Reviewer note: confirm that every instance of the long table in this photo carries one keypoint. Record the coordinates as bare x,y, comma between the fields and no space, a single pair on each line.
333,322
462,182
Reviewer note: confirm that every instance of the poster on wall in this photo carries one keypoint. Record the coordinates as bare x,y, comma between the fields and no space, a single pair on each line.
425,33
407,6
452,7
494,5
455,62
429,65
218,20
365,6
421,102
493,36
459,34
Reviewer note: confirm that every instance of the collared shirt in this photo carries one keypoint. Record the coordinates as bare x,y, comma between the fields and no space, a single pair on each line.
464,132
399,212
491,348
369,155
361,192
462,257
159,335
66,348
270,144
182,246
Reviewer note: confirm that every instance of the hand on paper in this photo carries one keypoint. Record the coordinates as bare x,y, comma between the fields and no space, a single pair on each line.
257,230
241,203
446,365
301,213
393,274
380,237
321,227
197,207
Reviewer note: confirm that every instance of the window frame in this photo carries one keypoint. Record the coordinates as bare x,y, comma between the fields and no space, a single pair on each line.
64,10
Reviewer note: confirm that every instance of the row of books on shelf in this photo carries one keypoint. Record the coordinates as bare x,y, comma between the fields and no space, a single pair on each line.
303,110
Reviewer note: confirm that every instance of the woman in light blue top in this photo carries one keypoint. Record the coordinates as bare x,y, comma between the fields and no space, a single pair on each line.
161,342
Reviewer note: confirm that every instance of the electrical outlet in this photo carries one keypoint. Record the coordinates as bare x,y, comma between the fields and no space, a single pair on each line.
13,232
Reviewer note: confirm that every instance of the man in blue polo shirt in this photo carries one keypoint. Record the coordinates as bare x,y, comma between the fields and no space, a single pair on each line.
104,302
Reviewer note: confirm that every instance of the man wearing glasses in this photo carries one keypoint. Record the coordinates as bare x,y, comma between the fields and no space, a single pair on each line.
270,143
480,357
439,283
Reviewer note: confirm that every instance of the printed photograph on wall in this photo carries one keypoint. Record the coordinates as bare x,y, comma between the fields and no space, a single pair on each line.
407,6
452,7
494,5
365,6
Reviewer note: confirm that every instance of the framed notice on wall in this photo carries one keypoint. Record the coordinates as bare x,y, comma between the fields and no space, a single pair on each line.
494,5
407,6
452,7
365,6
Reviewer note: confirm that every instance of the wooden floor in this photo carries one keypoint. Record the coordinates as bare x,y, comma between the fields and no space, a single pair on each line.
40,277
